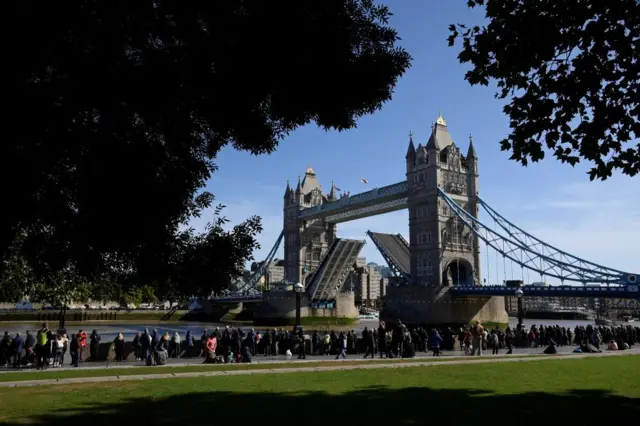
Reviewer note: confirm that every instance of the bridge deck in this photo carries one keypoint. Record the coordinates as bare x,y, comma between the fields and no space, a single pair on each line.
622,292
396,248
334,269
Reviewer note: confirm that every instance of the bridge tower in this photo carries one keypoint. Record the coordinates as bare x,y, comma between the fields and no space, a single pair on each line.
305,242
443,252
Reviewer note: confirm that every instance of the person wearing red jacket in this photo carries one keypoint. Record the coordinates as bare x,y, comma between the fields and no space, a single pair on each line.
82,336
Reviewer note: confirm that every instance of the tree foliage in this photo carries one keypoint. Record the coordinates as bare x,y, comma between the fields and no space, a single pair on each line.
195,267
16,278
571,70
119,107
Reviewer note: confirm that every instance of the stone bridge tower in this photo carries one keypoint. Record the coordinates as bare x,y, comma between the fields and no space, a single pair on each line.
305,241
443,250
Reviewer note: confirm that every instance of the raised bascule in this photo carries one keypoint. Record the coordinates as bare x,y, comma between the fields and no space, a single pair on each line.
439,268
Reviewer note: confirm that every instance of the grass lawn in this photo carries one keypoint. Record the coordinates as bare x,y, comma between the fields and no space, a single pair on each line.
53,374
575,391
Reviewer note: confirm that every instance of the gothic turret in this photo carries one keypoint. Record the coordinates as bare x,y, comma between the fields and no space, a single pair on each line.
411,151
411,154
471,152
299,186
440,137
472,158
333,193
287,191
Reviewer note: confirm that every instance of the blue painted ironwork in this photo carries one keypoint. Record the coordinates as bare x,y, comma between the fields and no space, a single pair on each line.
376,196
550,252
248,286
368,211
529,258
621,291
257,297
391,258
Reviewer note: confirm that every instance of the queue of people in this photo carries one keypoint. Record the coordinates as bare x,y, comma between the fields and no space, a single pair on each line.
47,348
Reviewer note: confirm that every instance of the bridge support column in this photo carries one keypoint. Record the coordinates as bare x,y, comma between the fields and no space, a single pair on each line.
419,305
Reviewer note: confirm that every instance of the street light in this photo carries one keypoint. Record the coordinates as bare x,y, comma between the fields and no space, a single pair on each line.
519,295
298,288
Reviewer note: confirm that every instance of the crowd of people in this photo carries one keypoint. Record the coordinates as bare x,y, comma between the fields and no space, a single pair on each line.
47,348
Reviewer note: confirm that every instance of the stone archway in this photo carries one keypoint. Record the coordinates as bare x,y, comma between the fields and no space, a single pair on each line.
458,272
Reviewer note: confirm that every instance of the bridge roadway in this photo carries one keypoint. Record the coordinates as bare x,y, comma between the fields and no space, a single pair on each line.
334,268
618,292
396,248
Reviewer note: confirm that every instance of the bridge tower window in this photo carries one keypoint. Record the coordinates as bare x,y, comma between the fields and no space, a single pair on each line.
317,252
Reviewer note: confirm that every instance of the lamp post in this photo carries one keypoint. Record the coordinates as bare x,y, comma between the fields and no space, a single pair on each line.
519,295
298,287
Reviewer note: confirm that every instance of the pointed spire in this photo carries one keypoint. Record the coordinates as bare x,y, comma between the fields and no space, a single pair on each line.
299,187
471,153
333,194
287,190
411,151
440,121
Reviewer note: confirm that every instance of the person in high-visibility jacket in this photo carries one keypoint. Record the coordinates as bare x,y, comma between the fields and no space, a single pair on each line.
41,343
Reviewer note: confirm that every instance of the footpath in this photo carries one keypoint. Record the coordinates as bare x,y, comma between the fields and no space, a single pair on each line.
362,365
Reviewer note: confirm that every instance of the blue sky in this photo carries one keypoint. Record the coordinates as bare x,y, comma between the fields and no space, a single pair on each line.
557,203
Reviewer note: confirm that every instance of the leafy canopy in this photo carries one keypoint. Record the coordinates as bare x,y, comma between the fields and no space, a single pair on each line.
571,70
118,109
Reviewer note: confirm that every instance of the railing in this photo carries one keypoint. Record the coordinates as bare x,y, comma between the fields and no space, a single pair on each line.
623,292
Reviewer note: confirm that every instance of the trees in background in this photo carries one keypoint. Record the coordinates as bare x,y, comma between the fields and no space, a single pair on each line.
571,72
195,267
118,109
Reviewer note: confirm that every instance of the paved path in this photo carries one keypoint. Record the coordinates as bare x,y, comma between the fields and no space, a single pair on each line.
363,365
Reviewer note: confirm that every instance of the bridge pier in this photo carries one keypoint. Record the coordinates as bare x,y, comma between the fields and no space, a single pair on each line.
422,305
280,308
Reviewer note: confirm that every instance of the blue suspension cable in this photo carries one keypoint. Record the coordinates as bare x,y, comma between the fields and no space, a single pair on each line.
488,270
512,269
497,262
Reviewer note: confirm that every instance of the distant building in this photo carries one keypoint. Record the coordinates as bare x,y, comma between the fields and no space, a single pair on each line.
274,273
384,283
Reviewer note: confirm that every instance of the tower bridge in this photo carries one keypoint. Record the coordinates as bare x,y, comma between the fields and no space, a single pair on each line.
440,265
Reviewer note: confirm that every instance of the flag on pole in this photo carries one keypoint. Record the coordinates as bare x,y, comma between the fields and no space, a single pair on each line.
338,189
363,180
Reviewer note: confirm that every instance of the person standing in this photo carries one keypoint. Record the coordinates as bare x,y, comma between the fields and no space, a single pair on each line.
16,346
75,348
478,333
95,344
342,346
301,344
118,344
41,344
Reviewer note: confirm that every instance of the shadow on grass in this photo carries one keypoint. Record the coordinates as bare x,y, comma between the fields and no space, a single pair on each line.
367,406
